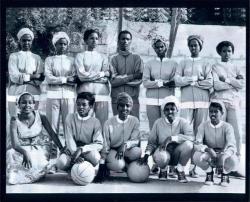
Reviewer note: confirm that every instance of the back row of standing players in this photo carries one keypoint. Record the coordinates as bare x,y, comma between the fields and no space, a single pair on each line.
199,81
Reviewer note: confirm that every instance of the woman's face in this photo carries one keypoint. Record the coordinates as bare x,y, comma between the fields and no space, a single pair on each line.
194,48
26,104
215,114
226,53
124,109
61,46
26,42
83,107
170,111
92,40
160,49
124,41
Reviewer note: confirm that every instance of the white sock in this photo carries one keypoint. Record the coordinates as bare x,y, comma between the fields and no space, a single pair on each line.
180,167
191,167
209,169
164,169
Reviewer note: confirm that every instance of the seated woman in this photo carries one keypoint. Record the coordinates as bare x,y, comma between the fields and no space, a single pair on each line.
172,135
83,133
27,161
121,133
217,146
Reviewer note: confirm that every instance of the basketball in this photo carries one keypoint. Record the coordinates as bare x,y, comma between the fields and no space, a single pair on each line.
133,153
138,173
83,173
161,158
113,163
93,157
63,162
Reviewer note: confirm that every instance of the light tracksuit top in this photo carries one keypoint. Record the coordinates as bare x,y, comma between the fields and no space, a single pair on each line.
21,65
116,132
220,137
155,70
196,96
126,65
162,129
83,131
88,65
57,69
226,91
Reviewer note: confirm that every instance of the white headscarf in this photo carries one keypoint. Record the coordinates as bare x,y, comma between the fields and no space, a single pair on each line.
60,35
24,31
170,99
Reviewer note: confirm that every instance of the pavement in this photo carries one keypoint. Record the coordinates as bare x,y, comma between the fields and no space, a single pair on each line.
119,183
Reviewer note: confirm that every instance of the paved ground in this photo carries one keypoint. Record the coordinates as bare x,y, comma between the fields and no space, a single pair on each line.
119,183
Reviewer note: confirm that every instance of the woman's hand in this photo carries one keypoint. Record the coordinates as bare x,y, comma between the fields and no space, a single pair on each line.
76,156
65,150
26,160
120,151
143,160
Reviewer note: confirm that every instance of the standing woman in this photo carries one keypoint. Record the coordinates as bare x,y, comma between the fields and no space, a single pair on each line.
60,76
228,81
93,73
195,79
25,71
158,79
28,161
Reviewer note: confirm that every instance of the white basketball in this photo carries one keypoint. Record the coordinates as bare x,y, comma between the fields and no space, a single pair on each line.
83,173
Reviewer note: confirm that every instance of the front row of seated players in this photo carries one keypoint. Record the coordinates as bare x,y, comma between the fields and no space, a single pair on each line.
214,145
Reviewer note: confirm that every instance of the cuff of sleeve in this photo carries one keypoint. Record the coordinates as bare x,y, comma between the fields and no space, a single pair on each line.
64,79
26,77
203,148
174,138
227,80
102,161
102,74
160,83
229,152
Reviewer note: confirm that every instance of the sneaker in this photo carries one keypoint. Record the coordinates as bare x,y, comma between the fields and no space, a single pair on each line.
163,175
172,173
210,178
236,174
154,169
193,173
181,176
224,180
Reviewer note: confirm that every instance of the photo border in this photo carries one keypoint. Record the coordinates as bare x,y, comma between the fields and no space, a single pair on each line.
118,197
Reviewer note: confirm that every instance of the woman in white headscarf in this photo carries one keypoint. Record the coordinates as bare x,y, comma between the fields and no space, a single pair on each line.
25,71
60,76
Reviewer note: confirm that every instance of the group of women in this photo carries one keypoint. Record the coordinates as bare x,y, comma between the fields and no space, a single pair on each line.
90,72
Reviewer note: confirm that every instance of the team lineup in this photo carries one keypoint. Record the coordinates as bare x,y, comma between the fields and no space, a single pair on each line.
201,127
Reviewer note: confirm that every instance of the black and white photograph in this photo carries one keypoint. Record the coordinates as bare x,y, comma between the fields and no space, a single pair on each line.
126,100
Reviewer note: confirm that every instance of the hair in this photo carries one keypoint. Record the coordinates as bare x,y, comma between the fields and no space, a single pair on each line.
20,97
216,105
224,44
87,96
88,32
170,103
124,32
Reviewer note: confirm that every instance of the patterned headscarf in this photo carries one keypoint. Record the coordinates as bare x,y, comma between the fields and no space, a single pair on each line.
24,31
199,38
159,38
60,35
124,97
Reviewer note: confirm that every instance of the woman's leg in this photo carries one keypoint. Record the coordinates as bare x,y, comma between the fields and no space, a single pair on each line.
101,111
153,113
